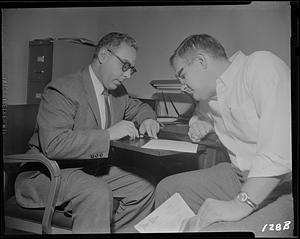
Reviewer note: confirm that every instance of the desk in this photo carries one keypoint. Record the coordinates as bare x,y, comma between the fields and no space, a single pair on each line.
135,145
172,132
209,151
158,163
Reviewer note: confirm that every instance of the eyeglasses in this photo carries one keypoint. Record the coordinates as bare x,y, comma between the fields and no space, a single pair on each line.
179,75
181,78
126,65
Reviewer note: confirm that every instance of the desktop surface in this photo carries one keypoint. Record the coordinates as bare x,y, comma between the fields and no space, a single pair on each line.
168,131
177,132
136,145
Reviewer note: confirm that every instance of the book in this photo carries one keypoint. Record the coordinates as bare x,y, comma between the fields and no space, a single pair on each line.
166,84
168,217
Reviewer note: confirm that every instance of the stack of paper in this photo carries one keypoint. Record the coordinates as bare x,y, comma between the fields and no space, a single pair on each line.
167,217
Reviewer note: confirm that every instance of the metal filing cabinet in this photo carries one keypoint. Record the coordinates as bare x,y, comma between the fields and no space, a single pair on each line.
49,59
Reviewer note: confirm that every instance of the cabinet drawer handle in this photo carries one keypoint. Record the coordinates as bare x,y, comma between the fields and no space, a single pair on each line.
40,72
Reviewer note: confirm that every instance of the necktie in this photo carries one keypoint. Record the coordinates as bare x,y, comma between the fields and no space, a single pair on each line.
107,110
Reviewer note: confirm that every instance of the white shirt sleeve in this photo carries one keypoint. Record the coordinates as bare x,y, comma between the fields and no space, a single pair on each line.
269,86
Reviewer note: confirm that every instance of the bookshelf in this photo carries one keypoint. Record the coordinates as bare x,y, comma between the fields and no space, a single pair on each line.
171,86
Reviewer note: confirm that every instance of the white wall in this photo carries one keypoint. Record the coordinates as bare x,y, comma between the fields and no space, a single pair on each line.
158,30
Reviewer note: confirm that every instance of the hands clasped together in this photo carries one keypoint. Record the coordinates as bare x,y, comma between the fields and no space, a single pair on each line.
127,128
198,129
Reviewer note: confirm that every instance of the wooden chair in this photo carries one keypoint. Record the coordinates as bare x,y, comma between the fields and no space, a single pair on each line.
49,220
41,220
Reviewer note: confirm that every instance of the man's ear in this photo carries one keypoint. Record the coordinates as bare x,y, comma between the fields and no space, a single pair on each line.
201,58
103,55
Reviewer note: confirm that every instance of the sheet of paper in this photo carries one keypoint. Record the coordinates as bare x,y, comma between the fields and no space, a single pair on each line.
167,217
166,120
174,145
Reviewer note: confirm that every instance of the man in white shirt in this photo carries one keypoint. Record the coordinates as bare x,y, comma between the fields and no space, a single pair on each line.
249,101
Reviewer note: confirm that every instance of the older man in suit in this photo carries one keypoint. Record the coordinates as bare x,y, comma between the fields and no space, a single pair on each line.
78,116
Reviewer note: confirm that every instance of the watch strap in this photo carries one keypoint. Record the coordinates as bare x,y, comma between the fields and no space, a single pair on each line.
250,203
245,198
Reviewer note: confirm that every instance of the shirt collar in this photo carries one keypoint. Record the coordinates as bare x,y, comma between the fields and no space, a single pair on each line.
96,82
237,59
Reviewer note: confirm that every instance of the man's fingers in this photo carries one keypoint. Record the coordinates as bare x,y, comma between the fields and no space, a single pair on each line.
196,137
183,225
154,128
132,131
205,215
191,225
152,132
142,129
196,140
157,126
196,130
201,128
200,132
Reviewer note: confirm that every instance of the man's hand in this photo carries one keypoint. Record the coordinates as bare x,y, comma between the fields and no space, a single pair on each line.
198,129
122,129
213,210
186,89
150,126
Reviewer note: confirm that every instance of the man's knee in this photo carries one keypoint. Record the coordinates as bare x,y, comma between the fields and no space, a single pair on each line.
92,210
179,182
190,185
148,188
96,189
165,188
96,194
142,191
166,185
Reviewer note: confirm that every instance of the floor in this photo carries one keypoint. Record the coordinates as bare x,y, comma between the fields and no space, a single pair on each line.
9,231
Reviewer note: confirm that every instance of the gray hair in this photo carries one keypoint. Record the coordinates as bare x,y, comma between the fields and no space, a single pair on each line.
114,40
191,45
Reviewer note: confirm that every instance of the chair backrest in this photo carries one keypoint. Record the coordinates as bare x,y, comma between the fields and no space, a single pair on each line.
21,121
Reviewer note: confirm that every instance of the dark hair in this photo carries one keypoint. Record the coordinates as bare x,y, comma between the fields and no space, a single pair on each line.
114,40
195,43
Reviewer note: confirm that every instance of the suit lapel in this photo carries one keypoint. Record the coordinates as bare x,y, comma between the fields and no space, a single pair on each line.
90,94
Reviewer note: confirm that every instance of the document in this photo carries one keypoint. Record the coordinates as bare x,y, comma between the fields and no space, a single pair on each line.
167,217
166,119
174,145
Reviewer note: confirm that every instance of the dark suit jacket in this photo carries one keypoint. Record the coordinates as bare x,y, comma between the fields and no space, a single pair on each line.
69,124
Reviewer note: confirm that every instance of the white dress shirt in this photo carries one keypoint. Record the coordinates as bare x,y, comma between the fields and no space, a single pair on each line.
252,113
100,97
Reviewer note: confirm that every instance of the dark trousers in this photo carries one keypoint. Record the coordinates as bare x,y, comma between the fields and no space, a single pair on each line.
90,197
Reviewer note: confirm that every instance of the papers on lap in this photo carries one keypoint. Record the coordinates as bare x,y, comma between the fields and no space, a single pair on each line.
174,145
167,217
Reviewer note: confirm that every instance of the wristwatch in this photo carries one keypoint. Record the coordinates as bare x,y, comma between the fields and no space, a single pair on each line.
244,198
